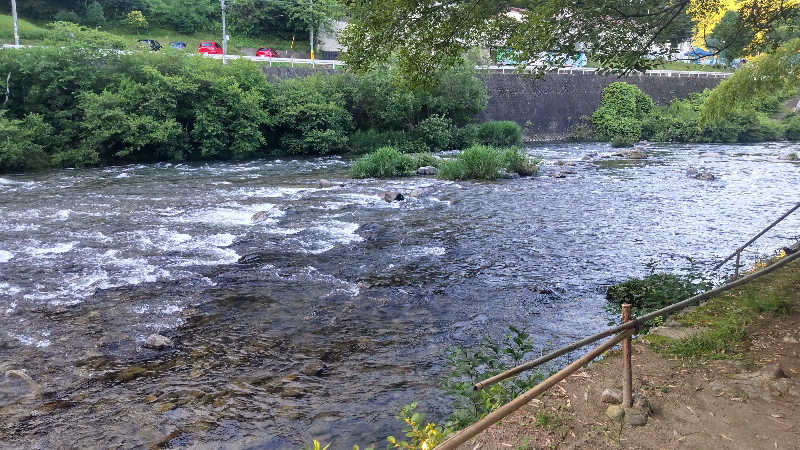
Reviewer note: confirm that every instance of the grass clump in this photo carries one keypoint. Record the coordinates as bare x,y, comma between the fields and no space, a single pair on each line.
728,317
481,162
386,162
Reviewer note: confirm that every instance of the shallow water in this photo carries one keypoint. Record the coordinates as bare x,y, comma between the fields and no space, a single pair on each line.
93,261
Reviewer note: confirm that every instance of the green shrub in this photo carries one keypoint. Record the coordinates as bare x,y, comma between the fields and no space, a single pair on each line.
465,367
24,143
67,15
477,162
95,16
793,129
61,33
385,162
583,131
621,112
372,139
424,159
435,133
503,133
623,140
466,136
653,292
516,161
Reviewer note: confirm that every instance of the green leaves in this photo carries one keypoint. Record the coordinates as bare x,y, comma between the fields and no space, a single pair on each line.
621,112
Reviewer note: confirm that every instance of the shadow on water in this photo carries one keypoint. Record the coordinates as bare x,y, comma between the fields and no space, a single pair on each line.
302,310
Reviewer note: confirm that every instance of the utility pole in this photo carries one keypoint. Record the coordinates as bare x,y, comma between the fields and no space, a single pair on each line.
15,20
224,34
311,37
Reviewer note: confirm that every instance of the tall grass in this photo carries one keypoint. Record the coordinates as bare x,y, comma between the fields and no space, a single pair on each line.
27,31
482,162
386,162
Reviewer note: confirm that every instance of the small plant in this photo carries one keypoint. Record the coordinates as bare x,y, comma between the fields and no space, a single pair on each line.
385,162
419,437
477,162
318,446
465,367
548,420
653,292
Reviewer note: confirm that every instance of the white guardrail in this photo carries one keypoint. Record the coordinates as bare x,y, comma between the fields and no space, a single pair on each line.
332,63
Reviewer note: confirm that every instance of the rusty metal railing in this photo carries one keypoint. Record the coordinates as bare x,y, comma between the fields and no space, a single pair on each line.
622,333
738,252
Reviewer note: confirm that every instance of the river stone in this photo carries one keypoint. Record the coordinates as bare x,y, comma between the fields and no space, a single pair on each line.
260,216
705,176
416,193
611,396
635,417
323,183
773,372
615,412
508,175
313,369
427,170
391,196
559,175
157,342
788,157
636,154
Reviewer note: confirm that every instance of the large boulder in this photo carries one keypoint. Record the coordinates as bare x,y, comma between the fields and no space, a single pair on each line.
636,154
427,170
158,342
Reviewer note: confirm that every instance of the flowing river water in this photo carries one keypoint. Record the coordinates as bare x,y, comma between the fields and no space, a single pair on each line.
331,308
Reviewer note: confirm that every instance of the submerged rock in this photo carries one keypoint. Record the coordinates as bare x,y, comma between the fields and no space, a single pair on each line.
559,175
260,216
314,369
636,154
392,196
705,176
789,157
157,342
427,170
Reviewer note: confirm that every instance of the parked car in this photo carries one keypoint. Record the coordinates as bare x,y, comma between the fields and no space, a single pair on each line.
210,48
177,44
267,52
148,44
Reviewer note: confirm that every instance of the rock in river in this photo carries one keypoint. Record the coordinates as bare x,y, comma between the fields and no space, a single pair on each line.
392,196
427,170
158,342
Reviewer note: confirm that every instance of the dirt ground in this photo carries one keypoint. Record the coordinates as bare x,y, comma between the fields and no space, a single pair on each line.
741,404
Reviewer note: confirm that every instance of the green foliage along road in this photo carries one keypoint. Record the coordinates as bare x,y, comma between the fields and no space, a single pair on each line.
94,106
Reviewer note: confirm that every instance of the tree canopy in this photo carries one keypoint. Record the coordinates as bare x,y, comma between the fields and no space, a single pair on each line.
429,35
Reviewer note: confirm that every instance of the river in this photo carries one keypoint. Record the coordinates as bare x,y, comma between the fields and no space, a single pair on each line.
334,308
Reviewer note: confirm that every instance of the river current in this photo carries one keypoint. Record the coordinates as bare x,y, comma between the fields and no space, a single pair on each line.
303,310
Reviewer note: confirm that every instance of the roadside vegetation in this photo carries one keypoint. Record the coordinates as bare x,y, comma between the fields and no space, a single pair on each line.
83,105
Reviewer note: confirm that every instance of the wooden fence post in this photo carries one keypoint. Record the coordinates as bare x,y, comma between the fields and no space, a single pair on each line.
627,383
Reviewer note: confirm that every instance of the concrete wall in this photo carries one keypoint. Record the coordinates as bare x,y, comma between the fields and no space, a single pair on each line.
556,102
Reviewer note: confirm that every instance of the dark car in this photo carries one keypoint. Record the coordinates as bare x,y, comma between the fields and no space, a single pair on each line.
148,44
177,44
267,52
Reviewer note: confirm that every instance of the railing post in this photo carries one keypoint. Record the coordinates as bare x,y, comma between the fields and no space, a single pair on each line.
627,382
738,254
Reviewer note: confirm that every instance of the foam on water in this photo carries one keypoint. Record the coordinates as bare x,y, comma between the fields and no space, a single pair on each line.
330,234
234,215
56,249
419,251
5,256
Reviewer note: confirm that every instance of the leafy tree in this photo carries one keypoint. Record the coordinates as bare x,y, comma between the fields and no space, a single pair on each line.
94,14
731,36
430,35
136,20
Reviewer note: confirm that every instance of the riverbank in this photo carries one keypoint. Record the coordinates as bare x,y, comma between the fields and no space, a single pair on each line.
736,385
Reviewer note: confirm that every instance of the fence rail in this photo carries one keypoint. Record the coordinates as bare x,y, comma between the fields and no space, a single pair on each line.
621,333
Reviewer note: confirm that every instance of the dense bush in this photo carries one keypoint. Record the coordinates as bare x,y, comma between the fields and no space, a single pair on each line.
621,112
793,128
105,107
386,162
516,161
435,133
465,136
24,143
503,133
653,292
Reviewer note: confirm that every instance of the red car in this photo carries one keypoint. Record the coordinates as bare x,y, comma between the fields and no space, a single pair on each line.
209,47
267,52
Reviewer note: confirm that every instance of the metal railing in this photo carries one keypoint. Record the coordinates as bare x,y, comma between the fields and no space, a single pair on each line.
738,252
620,333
